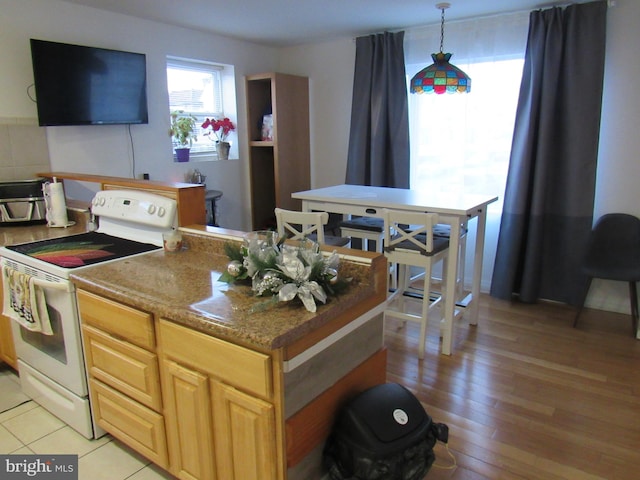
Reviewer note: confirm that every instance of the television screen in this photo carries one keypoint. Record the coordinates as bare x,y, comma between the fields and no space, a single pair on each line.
78,85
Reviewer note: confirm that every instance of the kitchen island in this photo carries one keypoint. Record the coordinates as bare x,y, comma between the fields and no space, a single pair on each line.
208,382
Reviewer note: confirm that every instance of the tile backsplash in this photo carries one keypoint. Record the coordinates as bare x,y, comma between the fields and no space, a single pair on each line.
23,149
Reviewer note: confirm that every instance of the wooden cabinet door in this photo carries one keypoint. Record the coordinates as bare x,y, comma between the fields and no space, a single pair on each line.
121,321
134,424
188,407
127,368
245,435
216,431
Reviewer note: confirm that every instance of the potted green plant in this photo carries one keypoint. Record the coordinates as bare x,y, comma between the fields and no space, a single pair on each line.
182,130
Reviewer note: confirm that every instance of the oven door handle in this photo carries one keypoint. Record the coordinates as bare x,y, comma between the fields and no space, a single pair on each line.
64,286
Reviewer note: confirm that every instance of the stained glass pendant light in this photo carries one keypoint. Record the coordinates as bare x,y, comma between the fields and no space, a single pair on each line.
440,76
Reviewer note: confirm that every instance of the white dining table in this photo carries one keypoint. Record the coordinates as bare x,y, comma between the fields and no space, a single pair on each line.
453,209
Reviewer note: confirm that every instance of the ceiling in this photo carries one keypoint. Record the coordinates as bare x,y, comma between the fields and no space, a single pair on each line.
293,22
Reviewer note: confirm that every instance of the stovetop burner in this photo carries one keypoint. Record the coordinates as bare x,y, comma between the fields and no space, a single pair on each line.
82,249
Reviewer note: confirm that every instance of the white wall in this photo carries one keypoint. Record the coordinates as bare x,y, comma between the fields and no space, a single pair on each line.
329,66
619,153
106,150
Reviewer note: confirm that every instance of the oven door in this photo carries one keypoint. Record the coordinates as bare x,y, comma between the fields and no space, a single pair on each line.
59,356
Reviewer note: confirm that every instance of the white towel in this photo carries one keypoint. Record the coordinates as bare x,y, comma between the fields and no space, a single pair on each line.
24,301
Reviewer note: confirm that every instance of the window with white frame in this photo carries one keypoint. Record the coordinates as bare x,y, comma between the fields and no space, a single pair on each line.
196,88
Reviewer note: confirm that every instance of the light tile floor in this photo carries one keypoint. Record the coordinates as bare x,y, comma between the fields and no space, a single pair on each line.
27,428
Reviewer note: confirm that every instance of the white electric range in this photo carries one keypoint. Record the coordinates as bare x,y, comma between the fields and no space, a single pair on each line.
52,369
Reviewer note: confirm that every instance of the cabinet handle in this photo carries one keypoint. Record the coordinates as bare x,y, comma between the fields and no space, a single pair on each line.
372,211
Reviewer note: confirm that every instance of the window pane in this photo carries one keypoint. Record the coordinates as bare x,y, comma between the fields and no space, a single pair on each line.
192,90
195,88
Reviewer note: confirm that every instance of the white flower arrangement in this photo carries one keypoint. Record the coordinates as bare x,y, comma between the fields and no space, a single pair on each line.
284,271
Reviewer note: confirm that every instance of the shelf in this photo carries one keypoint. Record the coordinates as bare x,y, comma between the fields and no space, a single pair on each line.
261,143
281,166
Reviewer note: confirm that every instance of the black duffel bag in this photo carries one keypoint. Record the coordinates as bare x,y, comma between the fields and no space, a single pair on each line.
383,434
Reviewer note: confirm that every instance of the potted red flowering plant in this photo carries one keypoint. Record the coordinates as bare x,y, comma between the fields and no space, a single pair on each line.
220,129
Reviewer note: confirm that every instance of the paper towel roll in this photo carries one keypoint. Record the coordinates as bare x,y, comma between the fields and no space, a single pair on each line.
56,205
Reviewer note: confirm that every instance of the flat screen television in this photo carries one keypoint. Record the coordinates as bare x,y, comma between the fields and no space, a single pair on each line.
79,85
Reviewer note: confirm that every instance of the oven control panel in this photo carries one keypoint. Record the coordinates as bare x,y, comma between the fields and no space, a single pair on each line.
135,206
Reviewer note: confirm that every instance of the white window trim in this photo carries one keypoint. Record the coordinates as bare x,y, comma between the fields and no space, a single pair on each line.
226,99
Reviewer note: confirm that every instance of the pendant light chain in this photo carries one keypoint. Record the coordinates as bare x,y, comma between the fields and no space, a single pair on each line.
442,6
442,29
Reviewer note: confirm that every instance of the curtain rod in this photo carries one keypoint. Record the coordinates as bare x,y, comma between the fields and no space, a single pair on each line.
610,4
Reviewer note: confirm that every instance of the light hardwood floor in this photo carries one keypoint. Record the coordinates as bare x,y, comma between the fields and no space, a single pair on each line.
526,396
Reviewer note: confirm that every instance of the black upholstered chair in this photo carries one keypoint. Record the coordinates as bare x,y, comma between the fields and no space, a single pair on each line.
613,253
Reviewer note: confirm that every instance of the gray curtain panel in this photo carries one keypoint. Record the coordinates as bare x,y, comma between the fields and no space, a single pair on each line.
379,136
548,202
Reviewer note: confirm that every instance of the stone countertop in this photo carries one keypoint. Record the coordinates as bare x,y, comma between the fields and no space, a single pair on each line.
16,234
184,287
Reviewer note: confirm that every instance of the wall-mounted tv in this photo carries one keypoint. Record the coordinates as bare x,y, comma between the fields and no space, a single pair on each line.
79,85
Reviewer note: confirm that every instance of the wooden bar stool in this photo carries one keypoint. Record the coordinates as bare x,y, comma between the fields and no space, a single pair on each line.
365,229
442,230
409,242
368,229
298,225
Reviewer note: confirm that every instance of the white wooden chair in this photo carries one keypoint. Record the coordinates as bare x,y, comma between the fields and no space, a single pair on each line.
444,231
366,229
299,225
409,242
